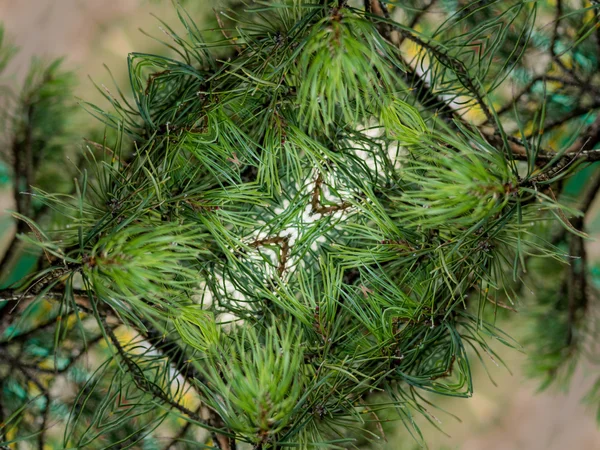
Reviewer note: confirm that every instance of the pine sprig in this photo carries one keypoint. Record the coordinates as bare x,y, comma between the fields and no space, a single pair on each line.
291,233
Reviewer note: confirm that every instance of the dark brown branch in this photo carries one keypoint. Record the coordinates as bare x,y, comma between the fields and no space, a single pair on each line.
28,169
583,84
577,283
588,199
10,295
425,95
171,349
284,244
592,138
315,201
454,64
176,355
23,167
519,154
220,438
44,393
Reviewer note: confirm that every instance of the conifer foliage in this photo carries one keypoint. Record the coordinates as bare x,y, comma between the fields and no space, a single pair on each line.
300,226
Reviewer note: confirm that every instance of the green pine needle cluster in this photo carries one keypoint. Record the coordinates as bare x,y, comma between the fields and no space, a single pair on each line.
294,235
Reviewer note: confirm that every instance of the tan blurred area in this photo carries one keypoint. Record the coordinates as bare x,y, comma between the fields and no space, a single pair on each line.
61,27
510,416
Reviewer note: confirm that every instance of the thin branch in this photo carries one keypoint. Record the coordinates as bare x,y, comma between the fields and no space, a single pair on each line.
73,360
284,244
170,348
581,149
181,434
576,113
315,201
417,18
424,93
44,393
577,283
526,90
176,355
520,154
144,384
237,48
454,64
556,57
22,173
11,295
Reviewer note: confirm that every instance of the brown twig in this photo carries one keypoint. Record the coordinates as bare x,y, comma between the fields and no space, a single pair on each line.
315,201
284,244
237,48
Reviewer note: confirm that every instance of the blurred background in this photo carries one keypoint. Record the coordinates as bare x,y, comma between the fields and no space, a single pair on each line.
506,413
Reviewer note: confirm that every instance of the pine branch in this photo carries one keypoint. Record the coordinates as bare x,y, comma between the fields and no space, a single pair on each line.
455,65
412,221
35,110
577,113
526,90
580,150
176,355
45,393
144,384
172,350
423,92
